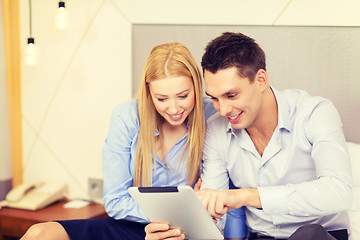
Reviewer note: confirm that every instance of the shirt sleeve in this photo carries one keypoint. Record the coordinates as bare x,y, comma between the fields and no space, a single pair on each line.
214,172
215,176
116,159
331,191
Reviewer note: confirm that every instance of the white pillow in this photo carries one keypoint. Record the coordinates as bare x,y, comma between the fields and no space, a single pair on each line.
355,206
354,217
354,151
354,211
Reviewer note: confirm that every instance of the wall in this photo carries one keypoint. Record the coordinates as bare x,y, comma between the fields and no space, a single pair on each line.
320,60
67,98
85,70
5,156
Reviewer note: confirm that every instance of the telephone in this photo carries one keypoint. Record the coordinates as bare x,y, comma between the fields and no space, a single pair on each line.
35,195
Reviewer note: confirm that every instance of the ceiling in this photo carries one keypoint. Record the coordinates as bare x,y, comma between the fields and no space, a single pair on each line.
242,12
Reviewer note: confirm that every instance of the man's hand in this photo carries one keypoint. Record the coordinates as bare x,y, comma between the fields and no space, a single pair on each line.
217,203
159,231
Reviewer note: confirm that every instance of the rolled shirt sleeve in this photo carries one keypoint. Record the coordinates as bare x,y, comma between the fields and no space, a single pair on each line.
331,191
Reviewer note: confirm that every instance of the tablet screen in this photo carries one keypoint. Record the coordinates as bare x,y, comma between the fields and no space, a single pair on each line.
178,206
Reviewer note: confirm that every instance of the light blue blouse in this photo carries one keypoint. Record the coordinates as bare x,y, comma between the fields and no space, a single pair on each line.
119,162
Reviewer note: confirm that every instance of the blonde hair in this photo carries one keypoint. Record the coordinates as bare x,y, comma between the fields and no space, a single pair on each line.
168,60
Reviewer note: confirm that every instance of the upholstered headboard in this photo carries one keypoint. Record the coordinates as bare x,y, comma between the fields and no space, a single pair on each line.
322,60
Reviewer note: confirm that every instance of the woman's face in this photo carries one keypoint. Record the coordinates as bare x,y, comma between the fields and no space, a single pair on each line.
173,97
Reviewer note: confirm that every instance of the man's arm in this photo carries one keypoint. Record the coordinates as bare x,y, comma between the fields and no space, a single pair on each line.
215,174
330,191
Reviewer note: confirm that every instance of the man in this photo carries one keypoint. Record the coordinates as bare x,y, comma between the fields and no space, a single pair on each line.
285,151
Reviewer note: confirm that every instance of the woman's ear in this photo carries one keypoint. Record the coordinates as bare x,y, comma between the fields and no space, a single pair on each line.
262,79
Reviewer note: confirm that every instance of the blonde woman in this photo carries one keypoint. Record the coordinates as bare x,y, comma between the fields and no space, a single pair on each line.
154,140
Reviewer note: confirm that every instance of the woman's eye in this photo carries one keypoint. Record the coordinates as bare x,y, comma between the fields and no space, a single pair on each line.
232,95
214,99
161,99
183,96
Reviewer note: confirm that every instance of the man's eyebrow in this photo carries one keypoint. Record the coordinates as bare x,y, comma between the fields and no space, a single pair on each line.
208,94
230,92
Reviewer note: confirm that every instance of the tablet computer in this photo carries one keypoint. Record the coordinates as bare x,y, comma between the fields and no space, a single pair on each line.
179,207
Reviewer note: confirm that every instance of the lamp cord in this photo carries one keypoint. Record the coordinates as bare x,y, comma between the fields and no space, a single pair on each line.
30,27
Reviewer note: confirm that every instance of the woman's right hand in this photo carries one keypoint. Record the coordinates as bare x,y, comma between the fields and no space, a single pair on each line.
159,231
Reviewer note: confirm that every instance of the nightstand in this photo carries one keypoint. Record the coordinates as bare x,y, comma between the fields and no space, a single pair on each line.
15,222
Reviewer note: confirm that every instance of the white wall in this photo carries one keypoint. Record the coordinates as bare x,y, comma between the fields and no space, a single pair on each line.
67,98
85,70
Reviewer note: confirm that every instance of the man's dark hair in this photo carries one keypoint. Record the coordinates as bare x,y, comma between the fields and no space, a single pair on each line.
234,50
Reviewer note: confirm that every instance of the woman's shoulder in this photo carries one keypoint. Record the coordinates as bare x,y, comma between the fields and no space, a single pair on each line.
131,105
127,112
124,126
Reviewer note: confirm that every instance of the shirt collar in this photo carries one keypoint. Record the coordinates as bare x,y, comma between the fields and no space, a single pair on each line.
283,110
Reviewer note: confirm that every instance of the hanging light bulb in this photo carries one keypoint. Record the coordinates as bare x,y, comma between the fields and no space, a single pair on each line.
61,19
31,52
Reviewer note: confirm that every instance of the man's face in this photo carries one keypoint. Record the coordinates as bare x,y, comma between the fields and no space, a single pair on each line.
234,97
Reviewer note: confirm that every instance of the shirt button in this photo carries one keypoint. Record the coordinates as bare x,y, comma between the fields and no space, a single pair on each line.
277,226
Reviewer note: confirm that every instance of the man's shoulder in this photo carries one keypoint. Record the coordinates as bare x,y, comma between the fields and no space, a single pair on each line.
301,101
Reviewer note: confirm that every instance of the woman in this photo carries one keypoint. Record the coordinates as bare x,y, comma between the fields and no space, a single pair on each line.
153,141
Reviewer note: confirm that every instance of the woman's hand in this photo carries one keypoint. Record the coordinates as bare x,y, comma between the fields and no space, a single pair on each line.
159,231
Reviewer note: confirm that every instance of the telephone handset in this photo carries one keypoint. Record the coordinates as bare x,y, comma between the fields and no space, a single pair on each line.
35,195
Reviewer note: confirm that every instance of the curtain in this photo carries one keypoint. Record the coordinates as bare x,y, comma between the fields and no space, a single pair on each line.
10,98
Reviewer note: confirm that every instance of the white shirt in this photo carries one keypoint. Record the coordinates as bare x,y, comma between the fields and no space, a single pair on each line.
304,174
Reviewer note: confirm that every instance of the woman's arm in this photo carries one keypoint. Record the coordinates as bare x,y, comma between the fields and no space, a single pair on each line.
118,164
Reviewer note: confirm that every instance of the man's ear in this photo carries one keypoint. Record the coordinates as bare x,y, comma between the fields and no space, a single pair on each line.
262,79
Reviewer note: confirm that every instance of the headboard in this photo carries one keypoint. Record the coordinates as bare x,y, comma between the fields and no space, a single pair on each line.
324,61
